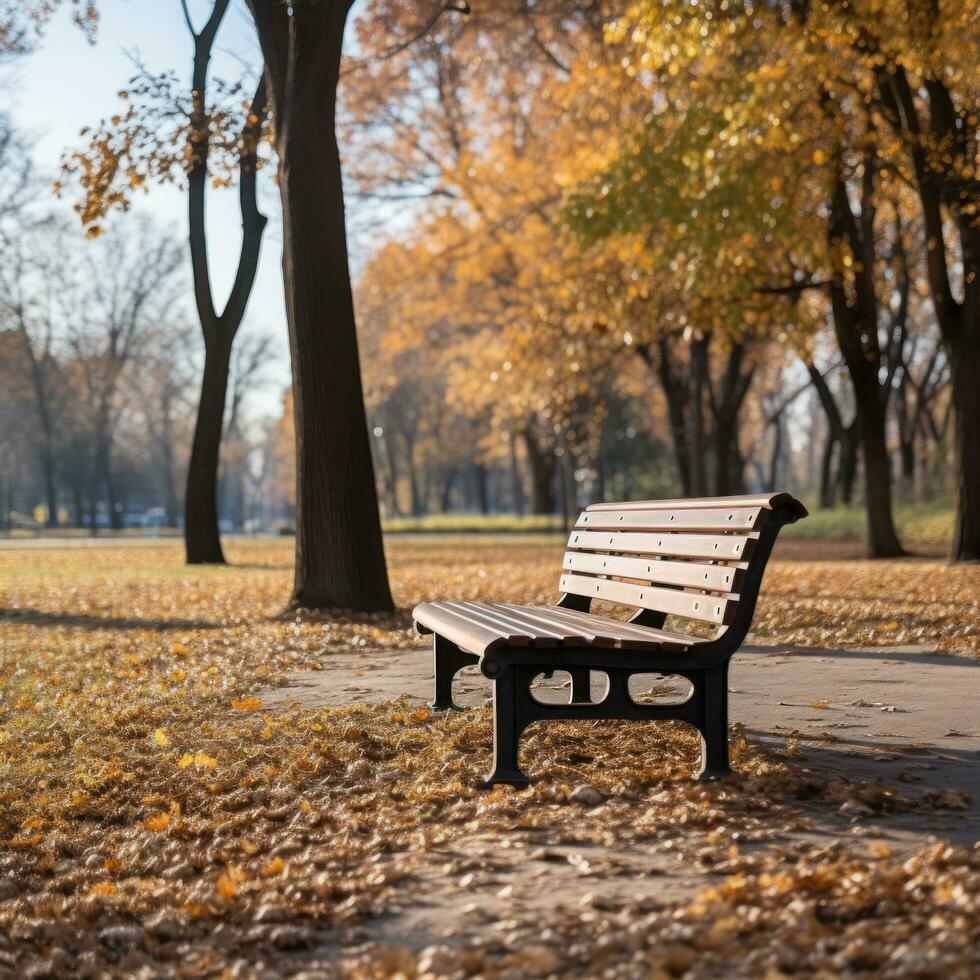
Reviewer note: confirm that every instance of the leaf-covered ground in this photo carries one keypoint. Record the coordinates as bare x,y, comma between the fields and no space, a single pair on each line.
156,819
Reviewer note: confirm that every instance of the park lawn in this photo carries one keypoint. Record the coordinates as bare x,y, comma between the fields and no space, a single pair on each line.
155,816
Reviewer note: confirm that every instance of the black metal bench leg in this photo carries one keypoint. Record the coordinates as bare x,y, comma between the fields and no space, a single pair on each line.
507,727
581,685
449,659
714,722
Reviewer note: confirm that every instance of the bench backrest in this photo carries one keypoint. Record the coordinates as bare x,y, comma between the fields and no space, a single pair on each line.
690,558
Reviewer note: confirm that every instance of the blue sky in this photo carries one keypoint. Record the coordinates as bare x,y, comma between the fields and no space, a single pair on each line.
68,83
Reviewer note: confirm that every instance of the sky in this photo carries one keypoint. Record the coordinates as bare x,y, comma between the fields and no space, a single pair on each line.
69,83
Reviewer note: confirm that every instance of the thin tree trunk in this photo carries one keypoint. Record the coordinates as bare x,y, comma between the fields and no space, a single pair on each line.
696,435
777,449
856,327
675,391
392,481
445,494
202,540
517,490
482,496
847,467
542,466
827,486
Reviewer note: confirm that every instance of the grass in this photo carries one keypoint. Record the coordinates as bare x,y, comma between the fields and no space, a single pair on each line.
474,524
919,523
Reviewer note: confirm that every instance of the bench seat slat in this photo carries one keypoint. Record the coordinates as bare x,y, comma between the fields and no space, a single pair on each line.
720,547
572,634
714,578
480,627
513,627
709,608
441,618
679,519
615,633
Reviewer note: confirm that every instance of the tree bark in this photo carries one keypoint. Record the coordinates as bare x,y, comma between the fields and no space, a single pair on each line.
856,327
482,494
965,365
696,434
542,467
725,411
517,489
340,559
674,388
202,540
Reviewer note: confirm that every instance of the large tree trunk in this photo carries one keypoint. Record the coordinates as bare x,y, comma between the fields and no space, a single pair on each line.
965,365
339,551
202,541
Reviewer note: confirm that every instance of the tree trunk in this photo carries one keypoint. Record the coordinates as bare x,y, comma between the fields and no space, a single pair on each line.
340,560
777,450
674,389
416,498
392,461
482,496
517,489
965,366
542,466
202,541
828,487
445,494
201,538
725,418
847,465
856,327
696,440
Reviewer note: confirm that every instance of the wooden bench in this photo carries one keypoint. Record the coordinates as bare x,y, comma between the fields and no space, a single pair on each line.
698,559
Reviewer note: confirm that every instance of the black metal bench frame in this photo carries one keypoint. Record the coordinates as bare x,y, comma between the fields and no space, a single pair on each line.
513,669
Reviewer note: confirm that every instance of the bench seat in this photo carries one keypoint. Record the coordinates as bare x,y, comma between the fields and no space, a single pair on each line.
482,627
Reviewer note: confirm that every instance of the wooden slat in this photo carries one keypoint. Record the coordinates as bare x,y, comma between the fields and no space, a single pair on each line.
571,634
721,547
679,519
614,633
714,578
515,631
706,607
465,633
766,500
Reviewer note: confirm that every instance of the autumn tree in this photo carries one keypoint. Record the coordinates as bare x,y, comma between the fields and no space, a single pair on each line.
891,84
210,133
